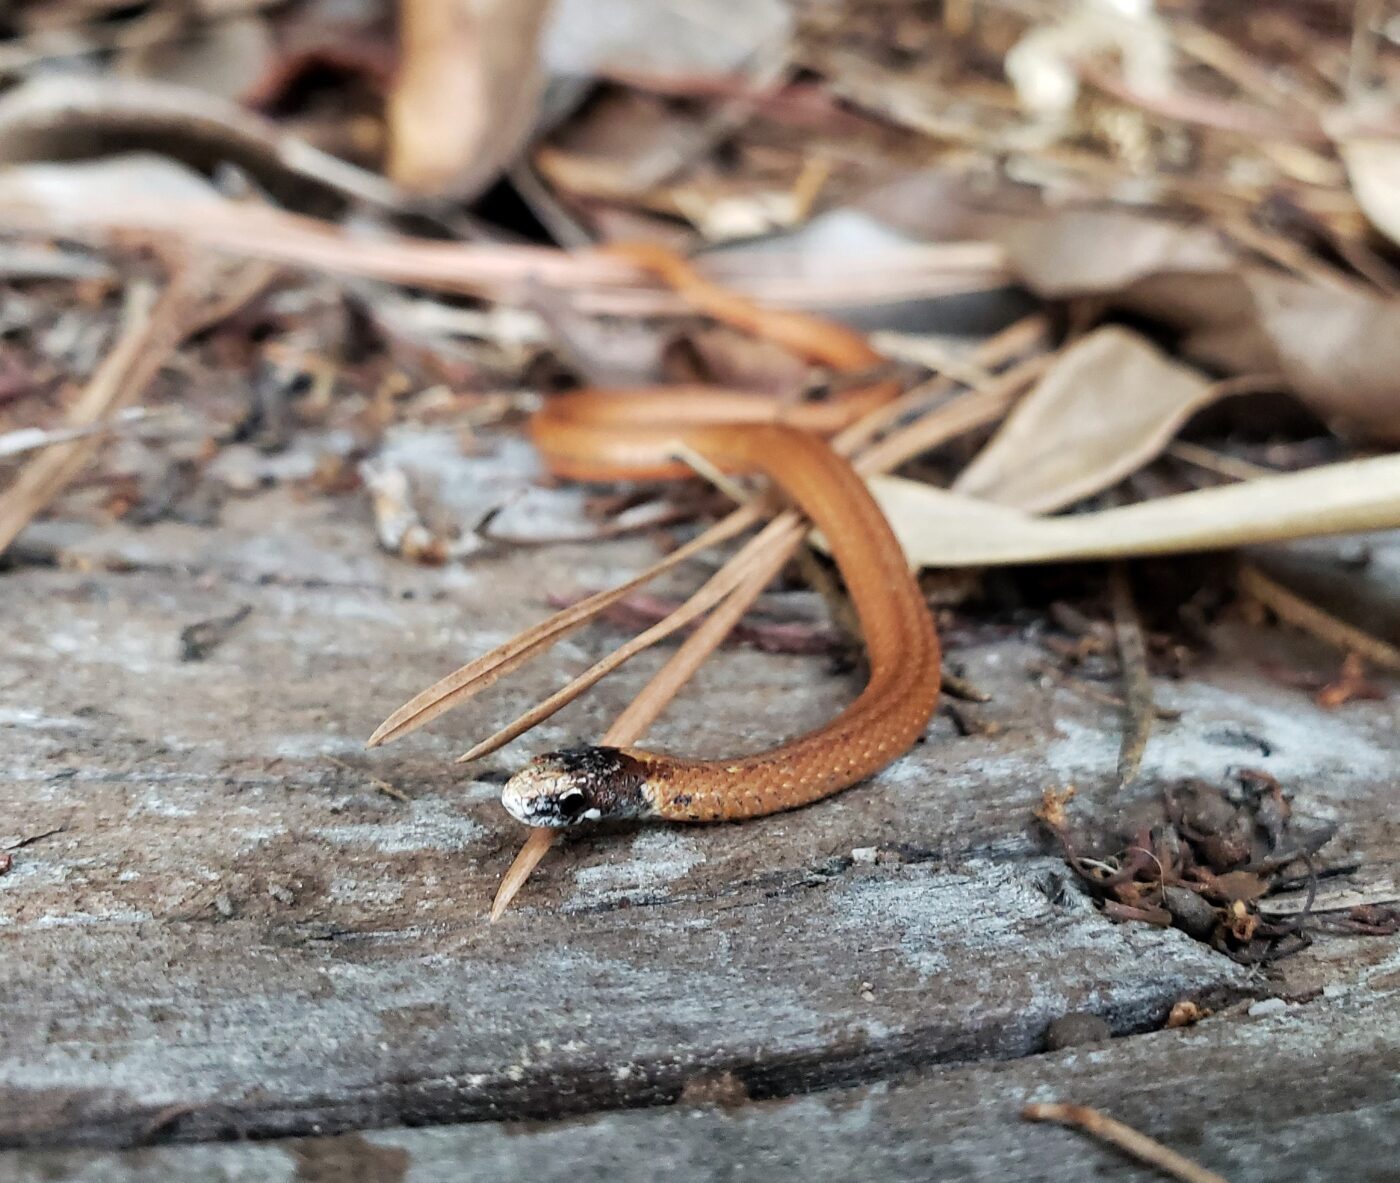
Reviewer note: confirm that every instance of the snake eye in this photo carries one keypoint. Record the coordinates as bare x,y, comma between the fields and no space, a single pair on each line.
571,804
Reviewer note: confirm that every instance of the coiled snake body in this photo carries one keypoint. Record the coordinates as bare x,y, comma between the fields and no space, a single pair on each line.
612,435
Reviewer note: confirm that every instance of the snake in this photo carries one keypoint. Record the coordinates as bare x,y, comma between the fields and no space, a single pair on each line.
602,435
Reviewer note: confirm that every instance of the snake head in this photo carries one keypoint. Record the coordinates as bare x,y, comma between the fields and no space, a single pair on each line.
576,786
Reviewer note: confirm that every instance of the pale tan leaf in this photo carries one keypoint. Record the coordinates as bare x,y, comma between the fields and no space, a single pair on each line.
1109,404
468,88
1374,168
943,529
662,38
1335,342
1079,251
222,58
1338,350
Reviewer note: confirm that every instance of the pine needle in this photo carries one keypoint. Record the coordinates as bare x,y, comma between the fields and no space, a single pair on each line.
725,580
1292,609
1125,1138
476,676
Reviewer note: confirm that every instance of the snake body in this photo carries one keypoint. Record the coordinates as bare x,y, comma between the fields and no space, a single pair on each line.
612,435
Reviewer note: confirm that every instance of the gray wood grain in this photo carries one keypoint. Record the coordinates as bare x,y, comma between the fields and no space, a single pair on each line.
232,932
1310,1094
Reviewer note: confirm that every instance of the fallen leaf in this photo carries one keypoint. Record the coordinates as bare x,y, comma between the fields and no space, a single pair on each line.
1339,351
943,529
467,92
1099,250
221,57
1337,345
659,38
1373,166
1109,404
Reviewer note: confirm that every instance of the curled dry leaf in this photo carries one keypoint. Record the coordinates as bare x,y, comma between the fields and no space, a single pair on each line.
1109,404
468,89
1338,350
1336,345
943,529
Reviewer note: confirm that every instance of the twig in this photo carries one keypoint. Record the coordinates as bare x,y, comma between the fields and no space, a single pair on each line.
198,294
1125,1138
1361,60
960,687
31,439
1094,693
1293,609
1137,681
1218,462
968,412
382,785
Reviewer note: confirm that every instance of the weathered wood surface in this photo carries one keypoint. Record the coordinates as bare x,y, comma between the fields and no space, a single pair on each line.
1308,1095
234,933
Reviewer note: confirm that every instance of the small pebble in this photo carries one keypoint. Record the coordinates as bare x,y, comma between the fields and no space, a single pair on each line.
1267,1006
865,854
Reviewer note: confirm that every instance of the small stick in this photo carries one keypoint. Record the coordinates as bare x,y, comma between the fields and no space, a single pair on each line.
1137,681
960,687
382,785
30,439
1293,609
198,294
1217,462
1125,1138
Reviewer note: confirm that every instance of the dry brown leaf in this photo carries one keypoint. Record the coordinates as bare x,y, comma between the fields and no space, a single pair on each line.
1336,344
657,39
625,143
1088,251
219,57
943,529
1373,166
1109,404
467,92
1339,351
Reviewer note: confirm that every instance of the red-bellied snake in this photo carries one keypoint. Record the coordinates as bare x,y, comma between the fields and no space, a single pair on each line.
602,435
